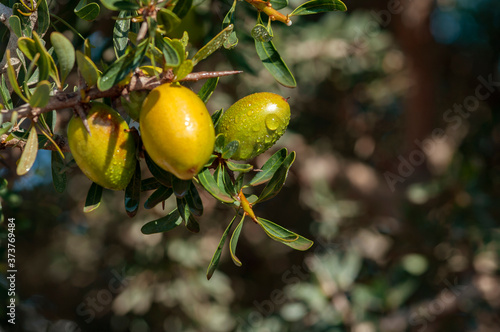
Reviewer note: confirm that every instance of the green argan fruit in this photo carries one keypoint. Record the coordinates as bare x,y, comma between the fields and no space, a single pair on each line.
107,156
257,121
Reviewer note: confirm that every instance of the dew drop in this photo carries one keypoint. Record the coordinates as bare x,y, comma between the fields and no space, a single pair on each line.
272,122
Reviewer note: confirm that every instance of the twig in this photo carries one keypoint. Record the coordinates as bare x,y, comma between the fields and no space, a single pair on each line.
64,100
60,141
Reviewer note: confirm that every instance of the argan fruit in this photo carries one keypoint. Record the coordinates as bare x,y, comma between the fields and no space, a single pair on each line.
177,130
257,121
107,156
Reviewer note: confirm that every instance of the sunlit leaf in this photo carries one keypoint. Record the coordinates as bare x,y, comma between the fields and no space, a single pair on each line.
87,68
278,180
235,167
273,62
44,63
40,96
170,54
59,177
164,224
261,34
208,88
232,40
213,45
93,198
230,149
319,6
29,153
133,192
269,168
11,73
217,254
183,70
285,236
234,242
208,182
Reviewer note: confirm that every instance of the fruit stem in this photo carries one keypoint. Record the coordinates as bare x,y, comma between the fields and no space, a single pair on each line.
267,8
247,206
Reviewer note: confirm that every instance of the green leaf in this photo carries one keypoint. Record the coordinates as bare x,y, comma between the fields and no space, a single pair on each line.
126,5
87,68
40,97
159,195
27,46
5,94
29,153
230,149
87,12
192,225
181,187
242,168
183,70
208,88
120,33
150,184
220,143
232,40
194,202
170,54
269,168
213,45
93,199
5,127
319,6
59,176
208,182
182,8
217,254
283,235
11,73
51,120
277,232
234,242
164,177
167,19
133,192
228,183
15,24
273,62
260,33
44,64
278,180
216,117
122,67
110,4
279,4
43,19
164,224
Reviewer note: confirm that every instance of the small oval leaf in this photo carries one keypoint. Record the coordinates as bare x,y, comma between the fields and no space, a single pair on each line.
40,96
319,6
29,153
164,224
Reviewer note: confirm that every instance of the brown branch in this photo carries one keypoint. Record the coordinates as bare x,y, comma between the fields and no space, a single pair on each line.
60,141
62,100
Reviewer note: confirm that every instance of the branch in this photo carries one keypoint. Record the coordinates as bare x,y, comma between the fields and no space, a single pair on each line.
63,100
267,8
60,141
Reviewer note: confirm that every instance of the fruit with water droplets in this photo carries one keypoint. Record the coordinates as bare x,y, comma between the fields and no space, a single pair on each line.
257,121
177,130
107,155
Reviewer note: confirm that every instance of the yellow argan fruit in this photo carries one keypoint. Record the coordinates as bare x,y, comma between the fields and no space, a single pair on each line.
177,130
107,156
257,121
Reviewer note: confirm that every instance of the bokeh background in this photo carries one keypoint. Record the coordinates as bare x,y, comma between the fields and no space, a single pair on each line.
396,126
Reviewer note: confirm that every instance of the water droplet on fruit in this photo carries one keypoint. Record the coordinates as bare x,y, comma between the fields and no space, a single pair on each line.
268,139
272,122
